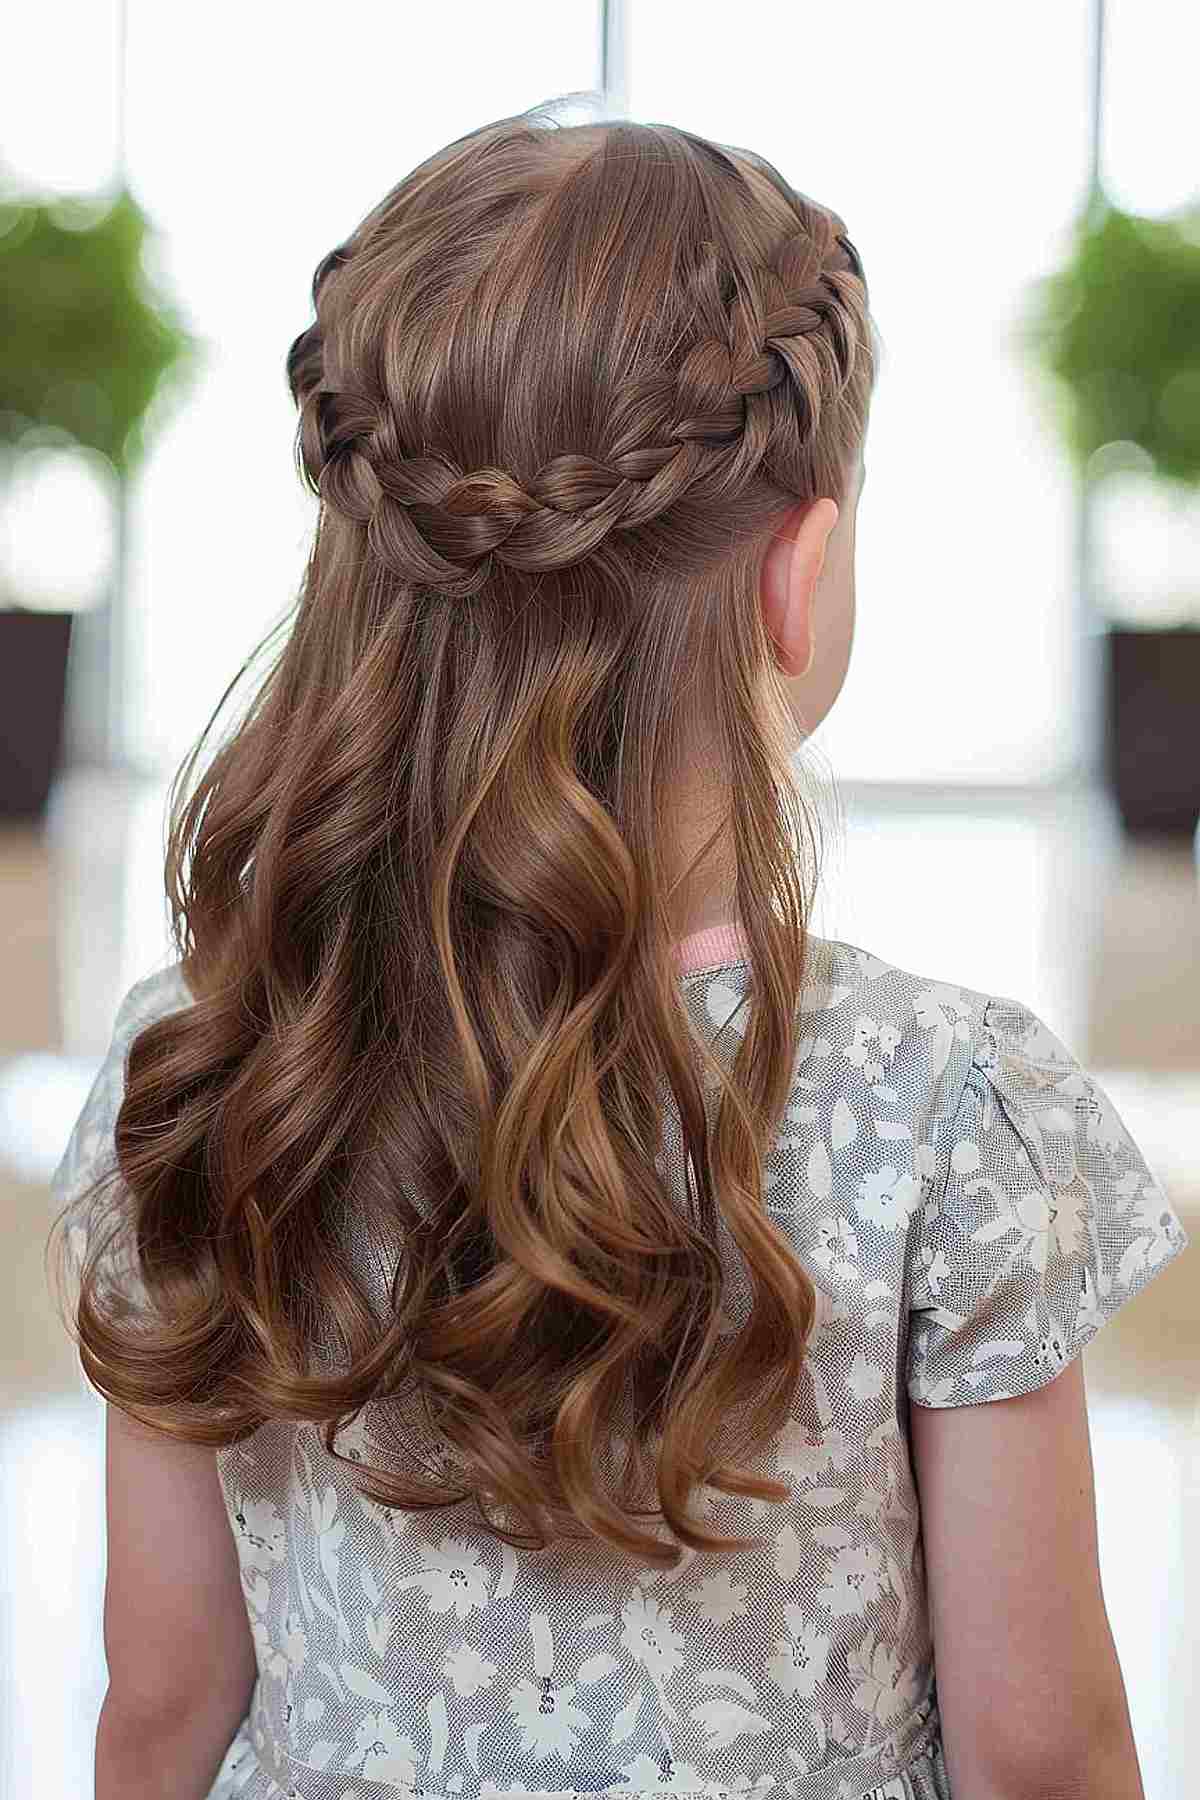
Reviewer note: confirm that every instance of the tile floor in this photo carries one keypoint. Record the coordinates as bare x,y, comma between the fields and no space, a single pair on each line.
1036,897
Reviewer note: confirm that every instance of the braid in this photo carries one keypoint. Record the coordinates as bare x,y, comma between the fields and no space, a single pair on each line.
440,526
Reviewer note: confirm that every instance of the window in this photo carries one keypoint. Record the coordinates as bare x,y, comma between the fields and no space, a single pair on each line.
955,144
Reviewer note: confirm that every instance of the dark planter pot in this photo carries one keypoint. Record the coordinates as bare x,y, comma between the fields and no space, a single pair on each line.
33,683
1153,730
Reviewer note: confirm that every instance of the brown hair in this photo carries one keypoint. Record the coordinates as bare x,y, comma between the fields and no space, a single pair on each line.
561,382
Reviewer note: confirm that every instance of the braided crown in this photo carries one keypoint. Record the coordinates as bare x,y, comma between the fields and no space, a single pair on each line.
440,526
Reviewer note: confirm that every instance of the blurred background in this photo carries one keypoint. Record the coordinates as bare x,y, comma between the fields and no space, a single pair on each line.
1020,807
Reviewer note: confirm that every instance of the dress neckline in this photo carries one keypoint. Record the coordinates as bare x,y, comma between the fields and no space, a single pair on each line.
711,947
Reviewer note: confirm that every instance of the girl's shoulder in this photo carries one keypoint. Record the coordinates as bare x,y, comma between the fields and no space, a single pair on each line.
904,1034
90,1146
153,996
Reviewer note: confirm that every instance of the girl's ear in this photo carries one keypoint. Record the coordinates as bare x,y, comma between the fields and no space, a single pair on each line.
790,572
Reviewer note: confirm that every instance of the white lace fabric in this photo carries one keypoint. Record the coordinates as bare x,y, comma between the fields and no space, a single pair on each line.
971,1209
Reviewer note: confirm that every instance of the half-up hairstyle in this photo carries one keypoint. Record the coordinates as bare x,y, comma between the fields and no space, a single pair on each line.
561,384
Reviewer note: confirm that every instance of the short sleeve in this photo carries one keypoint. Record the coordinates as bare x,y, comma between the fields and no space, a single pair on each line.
86,1182
1045,1220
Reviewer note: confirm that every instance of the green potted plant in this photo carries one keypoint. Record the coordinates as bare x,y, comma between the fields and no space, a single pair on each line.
1117,330
86,345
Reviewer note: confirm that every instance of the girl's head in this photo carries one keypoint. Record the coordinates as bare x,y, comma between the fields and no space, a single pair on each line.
605,371
584,407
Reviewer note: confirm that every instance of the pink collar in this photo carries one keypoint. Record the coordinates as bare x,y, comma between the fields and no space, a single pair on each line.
712,947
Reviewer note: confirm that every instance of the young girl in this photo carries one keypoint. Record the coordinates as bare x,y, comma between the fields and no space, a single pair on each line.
568,1328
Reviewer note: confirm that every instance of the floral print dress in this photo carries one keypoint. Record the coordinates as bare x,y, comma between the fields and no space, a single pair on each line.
971,1210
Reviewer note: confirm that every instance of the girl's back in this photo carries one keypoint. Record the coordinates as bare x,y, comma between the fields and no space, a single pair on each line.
451,1134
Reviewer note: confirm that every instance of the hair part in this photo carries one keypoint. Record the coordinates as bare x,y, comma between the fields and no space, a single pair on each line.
560,384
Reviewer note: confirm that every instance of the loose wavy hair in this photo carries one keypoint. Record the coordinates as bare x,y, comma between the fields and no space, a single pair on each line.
561,383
